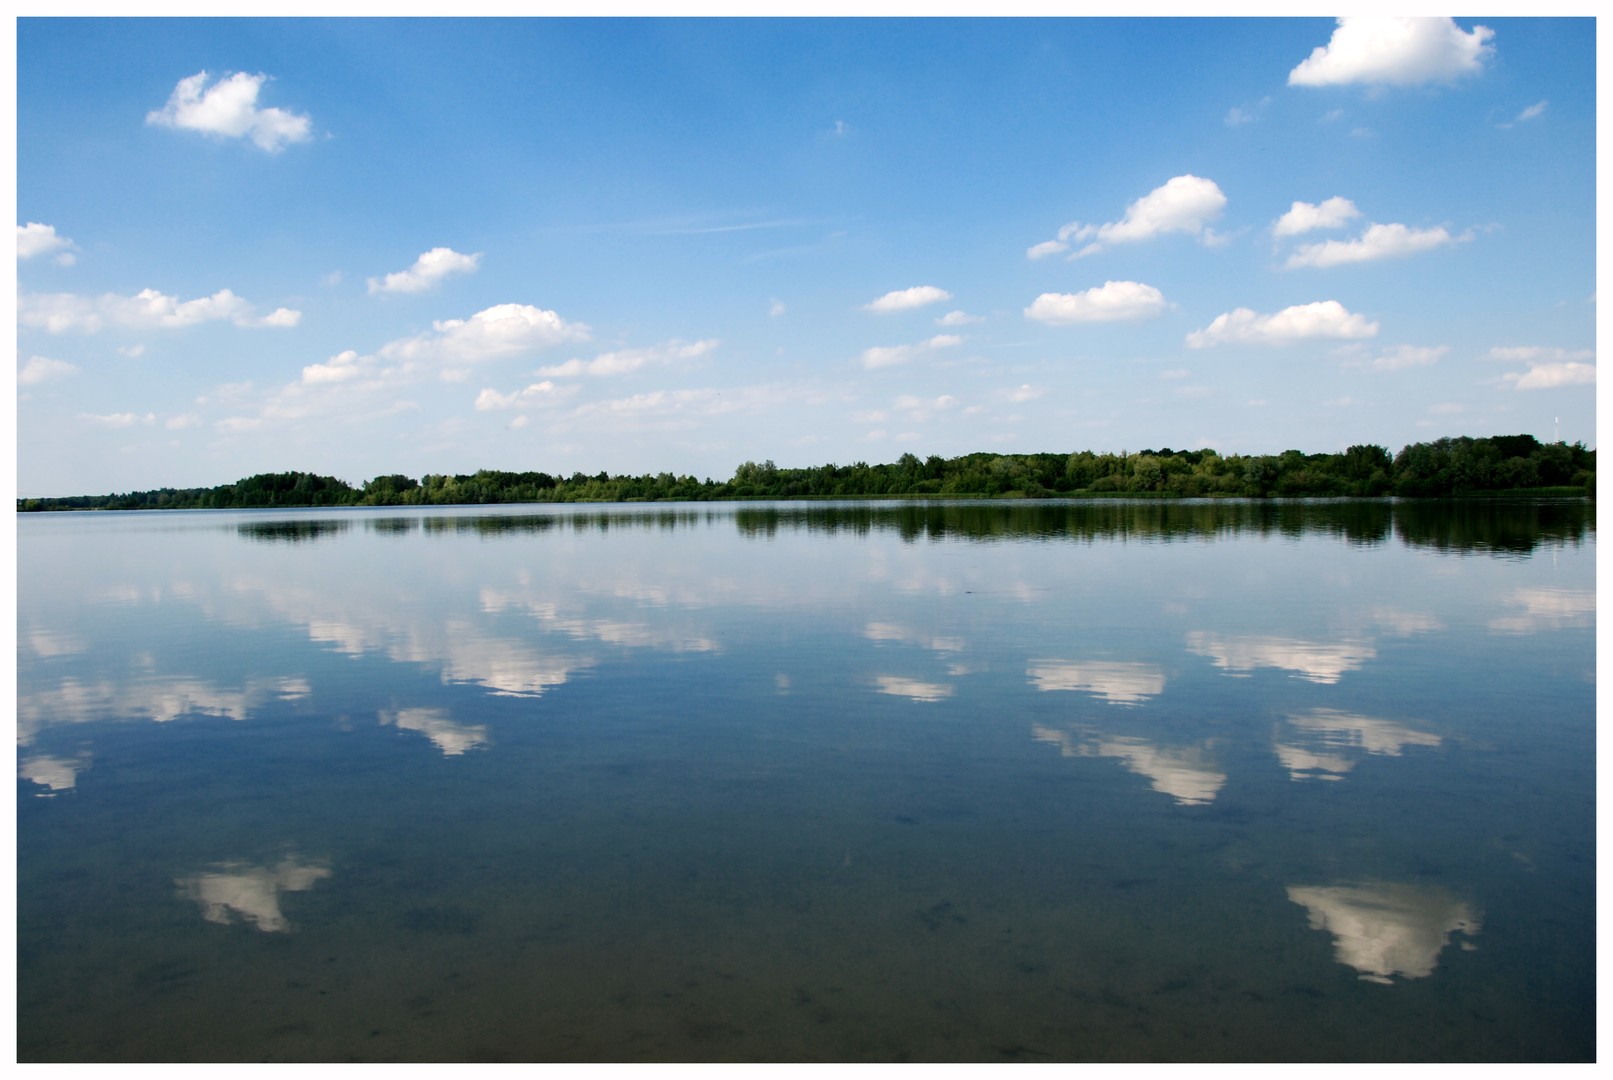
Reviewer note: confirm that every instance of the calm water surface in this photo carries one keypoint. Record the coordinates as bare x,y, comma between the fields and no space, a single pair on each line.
774,782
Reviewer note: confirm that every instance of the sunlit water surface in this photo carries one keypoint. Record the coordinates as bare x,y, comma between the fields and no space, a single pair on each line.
777,782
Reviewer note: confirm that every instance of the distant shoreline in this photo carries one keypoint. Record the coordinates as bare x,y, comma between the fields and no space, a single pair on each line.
1504,466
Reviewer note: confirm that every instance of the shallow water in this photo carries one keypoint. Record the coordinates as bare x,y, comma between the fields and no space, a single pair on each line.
979,782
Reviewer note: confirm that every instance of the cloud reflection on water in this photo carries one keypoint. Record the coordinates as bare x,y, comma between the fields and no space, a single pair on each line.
1319,743
452,738
1117,682
1317,661
1383,930
912,688
233,890
1545,609
1186,773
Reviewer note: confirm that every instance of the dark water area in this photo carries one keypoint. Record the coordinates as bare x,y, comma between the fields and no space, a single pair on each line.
931,781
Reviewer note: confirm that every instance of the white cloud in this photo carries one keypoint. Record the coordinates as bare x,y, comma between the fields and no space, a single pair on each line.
501,330
1378,242
1113,301
958,318
1183,204
625,361
1531,113
908,299
1538,354
1302,217
41,369
920,409
117,420
61,312
1324,319
1046,248
1239,115
539,393
1551,376
428,270
34,239
1026,392
340,368
775,308
1405,356
279,317
1396,52
230,109
887,355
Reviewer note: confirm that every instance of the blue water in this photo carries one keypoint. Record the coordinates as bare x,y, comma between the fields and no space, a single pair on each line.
870,782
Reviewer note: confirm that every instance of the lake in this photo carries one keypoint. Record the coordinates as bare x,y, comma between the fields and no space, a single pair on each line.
1108,781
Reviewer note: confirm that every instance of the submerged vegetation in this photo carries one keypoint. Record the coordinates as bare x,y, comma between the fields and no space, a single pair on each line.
1502,464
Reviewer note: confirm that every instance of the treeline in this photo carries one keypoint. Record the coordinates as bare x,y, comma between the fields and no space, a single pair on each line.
1446,467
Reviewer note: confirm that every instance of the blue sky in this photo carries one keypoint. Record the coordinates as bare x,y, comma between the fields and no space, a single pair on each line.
367,246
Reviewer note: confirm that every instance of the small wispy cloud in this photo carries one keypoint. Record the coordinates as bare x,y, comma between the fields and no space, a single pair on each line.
890,355
1378,242
626,361
1239,115
42,369
1550,376
1533,112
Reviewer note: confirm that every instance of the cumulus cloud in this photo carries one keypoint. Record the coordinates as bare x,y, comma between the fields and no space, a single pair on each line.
1183,204
1113,301
62,312
958,318
1390,51
889,355
1046,248
40,369
501,330
428,270
625,361
1302,322
34,239
1303,217
1378,242
342,367
908,299
1550,376
229,108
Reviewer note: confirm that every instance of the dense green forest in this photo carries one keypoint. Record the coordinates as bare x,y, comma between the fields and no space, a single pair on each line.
1446,467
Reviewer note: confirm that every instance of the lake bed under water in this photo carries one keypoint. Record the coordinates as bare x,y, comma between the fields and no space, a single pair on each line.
864,782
